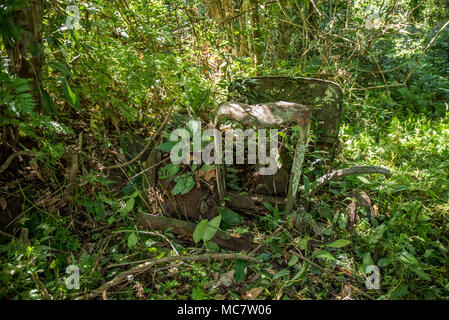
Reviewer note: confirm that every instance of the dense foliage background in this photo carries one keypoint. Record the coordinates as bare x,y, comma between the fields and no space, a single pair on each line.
68,97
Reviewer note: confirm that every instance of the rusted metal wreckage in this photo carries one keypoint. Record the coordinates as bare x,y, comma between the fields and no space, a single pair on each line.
265,102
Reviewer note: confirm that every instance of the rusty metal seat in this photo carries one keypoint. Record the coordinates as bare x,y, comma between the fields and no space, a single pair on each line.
324,98
264,102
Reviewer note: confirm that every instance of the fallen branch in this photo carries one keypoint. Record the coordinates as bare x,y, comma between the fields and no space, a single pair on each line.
186,228
253,203
346,172
141,268
8,161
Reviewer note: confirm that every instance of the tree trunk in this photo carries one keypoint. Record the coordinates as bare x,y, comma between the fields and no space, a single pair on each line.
24,47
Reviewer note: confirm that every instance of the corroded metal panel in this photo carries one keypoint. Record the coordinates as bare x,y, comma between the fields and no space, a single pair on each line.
323,97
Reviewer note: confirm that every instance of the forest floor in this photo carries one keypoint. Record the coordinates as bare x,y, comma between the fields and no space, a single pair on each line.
407,240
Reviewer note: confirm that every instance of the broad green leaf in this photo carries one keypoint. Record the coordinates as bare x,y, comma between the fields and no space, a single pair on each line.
212,246
264,256
281,273
207,167
233,186
408,258
212,228
199,230
72,98
179,187
383,262
47,103
268,206
293,260
338,243
168,171
184,184
399,292
323,254
420,272
190,183
128,206
132,240
303,243
367,261
198,294
229,217
363,179
301,273
239,268
61,67
167,146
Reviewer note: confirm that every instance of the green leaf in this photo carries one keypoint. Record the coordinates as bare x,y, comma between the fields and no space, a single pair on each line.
168,171
301,273
293,260
367,261
72,98
199,230
198,293
420,272
207,167
363,179
167,146
47,103
239,268
268,206
212,246
128,206
323,254
383,262
229,217
61,67
212,228
234,186
407,258
184,184
400,292
281,273
303,243
189,184
306,186
132,240
338,243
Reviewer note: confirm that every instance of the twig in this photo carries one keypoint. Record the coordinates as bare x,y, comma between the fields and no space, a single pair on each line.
141,268
3,233
144,232
346,172
247,10
8,161
120,165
